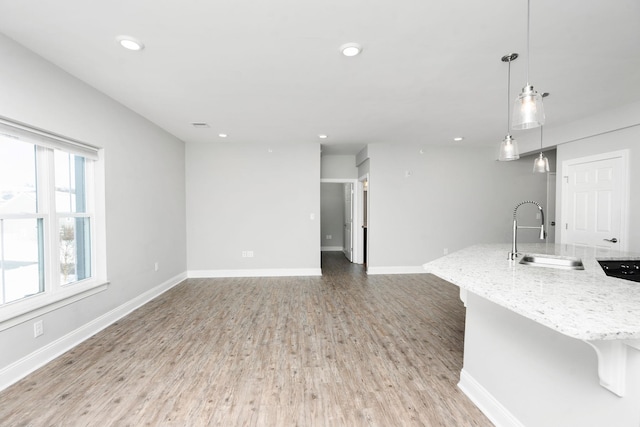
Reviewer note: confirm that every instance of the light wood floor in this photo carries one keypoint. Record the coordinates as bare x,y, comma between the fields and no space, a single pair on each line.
341,350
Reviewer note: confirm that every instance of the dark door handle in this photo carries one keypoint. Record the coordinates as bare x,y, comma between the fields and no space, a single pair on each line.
614,240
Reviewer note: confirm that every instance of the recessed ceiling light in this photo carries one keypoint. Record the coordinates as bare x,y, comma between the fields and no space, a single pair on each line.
350,49
223,135
458,138
130,43
200,124
323,136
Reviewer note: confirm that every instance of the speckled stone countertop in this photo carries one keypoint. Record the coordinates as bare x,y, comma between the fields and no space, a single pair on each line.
583,304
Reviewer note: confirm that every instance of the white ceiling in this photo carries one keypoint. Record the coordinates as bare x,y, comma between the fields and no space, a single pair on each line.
270,71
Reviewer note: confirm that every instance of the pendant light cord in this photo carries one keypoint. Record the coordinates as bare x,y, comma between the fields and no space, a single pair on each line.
528,36
508,97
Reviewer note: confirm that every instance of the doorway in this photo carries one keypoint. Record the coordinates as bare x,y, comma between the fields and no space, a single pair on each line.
350,222
594,195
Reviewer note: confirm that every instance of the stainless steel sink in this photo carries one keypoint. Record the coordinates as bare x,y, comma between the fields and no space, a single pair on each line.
552,261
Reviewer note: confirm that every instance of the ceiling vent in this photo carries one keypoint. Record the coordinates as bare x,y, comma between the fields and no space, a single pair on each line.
200,125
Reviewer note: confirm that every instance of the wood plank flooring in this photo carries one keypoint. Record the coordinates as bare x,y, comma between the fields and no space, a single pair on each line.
344,349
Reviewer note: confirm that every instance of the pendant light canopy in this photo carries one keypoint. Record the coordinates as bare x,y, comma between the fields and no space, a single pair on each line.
509,146
541,163
528,110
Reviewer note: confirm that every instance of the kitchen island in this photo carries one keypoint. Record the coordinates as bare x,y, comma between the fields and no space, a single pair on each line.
546,346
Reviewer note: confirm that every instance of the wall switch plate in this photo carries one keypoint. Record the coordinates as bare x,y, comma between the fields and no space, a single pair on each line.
156,266
38,329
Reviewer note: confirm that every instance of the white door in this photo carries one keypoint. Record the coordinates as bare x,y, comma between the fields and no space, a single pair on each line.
594,201
348,221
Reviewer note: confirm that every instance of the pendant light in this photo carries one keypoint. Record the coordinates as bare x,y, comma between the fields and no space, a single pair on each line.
541,163
509,146
528,110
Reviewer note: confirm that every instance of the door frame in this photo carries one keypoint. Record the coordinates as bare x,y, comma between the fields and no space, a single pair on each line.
360,208
551,217
356,256
624,178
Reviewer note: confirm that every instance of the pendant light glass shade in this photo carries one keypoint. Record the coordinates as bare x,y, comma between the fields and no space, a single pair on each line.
541,164
508,149
528,111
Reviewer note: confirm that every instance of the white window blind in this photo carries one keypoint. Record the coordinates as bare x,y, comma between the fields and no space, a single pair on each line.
33,135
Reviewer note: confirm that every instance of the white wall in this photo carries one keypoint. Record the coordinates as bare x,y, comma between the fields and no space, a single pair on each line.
332,206
338,167
624,138
448,197
145,202
241,197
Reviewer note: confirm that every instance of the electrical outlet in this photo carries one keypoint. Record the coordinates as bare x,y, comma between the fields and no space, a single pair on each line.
328,236
249,254
445,251
38,329
244,254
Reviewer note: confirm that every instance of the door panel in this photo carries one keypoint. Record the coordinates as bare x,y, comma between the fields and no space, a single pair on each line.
594,212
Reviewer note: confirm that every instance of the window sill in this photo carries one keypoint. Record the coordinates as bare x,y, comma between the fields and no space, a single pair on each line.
38,305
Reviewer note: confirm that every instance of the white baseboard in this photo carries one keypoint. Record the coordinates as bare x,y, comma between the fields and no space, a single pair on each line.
23,367
396,270
494,410
266,272
332,248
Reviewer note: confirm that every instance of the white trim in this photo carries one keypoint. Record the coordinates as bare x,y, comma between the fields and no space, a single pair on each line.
551,216
494,410
359,214
37,305
266,272
397,270
332,248
21,368
338,180
624,178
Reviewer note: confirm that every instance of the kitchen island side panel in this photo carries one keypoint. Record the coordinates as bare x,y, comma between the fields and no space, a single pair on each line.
540,376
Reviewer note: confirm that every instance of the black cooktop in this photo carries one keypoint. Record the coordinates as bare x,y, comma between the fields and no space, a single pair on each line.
622,269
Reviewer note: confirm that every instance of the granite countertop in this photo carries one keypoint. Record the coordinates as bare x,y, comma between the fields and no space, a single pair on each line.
583,304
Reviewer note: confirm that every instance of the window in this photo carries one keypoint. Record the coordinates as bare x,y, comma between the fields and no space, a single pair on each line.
48,224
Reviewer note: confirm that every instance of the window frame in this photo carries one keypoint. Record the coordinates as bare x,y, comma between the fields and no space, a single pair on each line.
57,294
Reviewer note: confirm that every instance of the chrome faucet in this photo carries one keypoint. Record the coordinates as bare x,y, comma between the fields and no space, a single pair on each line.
514,248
